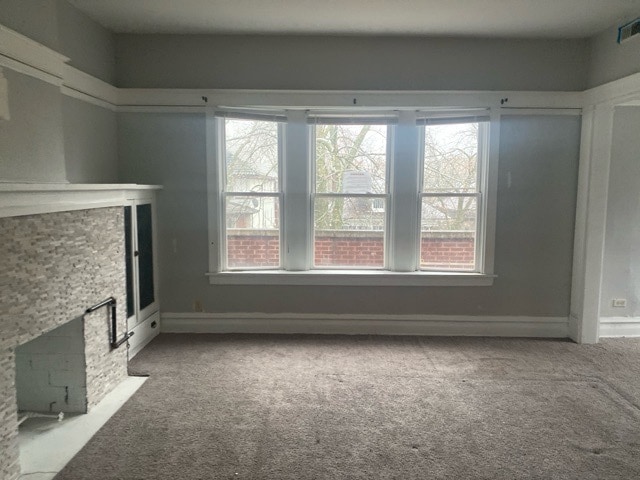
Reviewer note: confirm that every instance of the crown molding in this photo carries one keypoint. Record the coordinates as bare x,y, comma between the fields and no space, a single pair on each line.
88,88
617,92
29,57
26,56
175,97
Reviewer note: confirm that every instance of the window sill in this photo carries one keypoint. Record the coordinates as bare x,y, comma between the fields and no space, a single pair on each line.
364,278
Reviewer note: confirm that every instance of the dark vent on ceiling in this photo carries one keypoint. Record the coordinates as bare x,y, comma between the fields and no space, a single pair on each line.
629,30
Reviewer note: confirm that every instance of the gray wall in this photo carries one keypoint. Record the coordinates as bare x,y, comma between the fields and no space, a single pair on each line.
90,142
610,60
534,229
169,150
90,46
51,137
31,142
366,63
37,19
621,266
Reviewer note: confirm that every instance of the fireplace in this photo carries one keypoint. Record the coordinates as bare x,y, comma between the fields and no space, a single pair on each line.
51,372
53,356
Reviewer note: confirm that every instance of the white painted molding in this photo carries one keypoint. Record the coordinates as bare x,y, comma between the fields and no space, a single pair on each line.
613,92
574,328
143,333
17,199
30,71
350,277
69,92
90,89
591,219
619,327
26,56
161,109
130,97
541,111
29,57
357,324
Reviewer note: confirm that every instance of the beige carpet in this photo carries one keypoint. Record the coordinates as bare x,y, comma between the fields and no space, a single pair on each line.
338,407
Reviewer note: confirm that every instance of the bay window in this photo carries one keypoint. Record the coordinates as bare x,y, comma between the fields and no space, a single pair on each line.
315,197
452,172
252,194
350,195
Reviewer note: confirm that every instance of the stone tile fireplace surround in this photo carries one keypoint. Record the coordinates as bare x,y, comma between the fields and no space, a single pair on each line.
61,251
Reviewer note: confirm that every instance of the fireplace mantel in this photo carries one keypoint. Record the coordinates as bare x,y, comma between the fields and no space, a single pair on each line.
17,199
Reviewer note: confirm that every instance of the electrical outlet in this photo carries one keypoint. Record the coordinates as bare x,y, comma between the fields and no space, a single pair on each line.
619,302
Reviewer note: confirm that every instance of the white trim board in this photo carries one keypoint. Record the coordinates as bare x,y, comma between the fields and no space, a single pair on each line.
17,199
619,327
359,324
349,277
43,62
613,92
90,89
177,97
143,334
24,55
30,71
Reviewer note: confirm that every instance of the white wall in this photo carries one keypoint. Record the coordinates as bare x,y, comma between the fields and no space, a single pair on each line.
90,142
51,137
621,264
31,142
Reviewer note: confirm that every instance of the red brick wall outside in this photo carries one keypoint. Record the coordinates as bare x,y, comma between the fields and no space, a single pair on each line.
253,248
261,248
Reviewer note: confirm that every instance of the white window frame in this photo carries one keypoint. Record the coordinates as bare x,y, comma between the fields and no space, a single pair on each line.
484,131
385,196
403,209
224,195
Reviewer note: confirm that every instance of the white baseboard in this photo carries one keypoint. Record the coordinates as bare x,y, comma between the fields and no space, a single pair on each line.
573,326
619,327
356,324
143,333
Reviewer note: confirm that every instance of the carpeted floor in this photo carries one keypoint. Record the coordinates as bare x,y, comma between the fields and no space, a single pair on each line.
358,407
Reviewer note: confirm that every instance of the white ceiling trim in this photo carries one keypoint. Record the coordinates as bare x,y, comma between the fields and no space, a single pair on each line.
28,57
90,89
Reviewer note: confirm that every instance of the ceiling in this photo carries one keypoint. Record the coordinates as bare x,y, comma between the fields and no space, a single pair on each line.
484,18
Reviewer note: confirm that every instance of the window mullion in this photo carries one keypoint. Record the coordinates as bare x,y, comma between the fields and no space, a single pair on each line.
297,191
404,221
488,155
215,201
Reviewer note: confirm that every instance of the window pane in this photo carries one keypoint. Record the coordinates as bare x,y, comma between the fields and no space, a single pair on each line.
251,156
351,158
253,231
451,158
349,232
448,233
